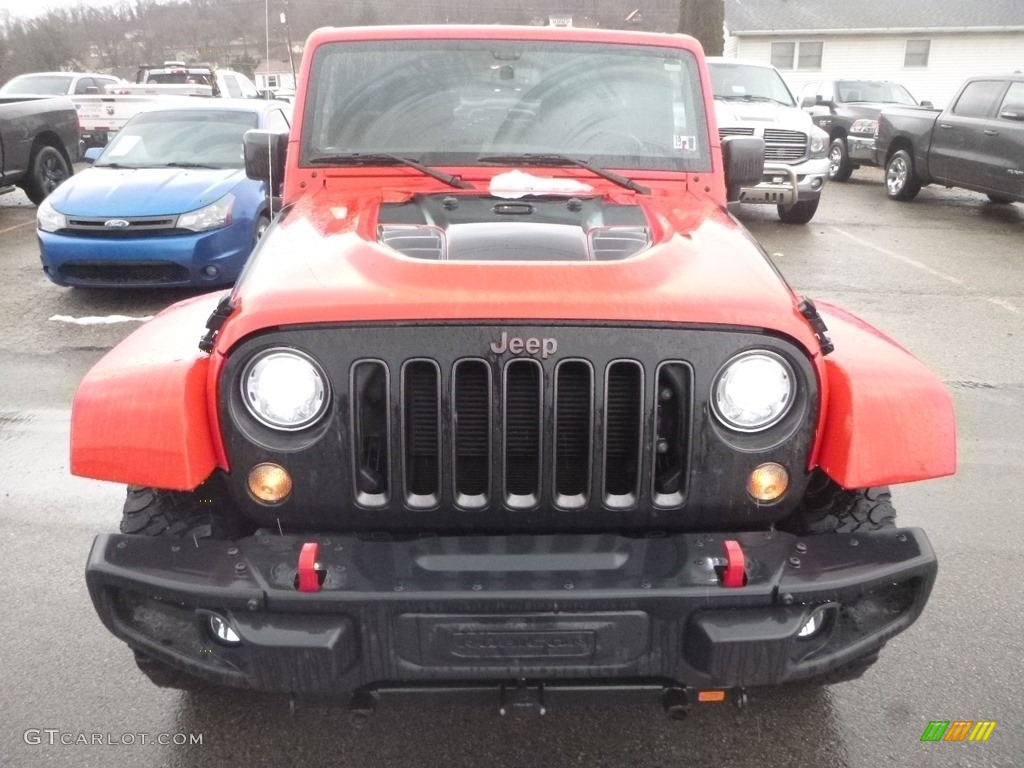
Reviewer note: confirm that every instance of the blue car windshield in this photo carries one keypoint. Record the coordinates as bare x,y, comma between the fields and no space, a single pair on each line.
180,138
461,102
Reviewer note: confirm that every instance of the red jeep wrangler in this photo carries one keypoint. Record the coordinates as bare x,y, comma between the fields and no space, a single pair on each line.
506,401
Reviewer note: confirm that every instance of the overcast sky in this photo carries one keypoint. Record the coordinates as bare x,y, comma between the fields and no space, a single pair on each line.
24,9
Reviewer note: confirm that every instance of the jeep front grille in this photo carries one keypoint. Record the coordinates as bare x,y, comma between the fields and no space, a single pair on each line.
471,427
461,417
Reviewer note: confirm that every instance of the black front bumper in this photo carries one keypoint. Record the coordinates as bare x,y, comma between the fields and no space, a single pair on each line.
482,610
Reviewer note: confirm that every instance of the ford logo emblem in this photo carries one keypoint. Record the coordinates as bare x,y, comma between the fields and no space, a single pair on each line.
117,223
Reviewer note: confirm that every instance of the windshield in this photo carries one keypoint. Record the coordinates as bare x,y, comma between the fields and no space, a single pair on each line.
745,82
874,90
205,138
41,85
452,102
179,78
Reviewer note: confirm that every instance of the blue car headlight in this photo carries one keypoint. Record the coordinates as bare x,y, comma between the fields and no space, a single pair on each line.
48,219
212,216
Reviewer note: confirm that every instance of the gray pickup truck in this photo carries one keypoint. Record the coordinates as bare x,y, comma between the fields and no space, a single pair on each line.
977,142
38,144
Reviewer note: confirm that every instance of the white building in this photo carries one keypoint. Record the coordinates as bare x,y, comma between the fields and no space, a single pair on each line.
930,46
275,74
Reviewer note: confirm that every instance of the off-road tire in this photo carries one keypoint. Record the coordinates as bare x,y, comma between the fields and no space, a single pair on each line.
800,212
1000,199
901,180
205,513
829,508
840,167
47,170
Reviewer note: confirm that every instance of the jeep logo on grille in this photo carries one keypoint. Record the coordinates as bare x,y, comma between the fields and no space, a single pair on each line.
116,223
518,345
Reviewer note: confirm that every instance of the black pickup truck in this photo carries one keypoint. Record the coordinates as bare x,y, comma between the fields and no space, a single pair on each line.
977,142
38,144
848,111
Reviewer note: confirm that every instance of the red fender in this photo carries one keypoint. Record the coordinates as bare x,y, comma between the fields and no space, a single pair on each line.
889,418
140,415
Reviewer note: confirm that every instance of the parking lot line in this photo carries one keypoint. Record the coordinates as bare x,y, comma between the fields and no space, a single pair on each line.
995,300
900,257
17,226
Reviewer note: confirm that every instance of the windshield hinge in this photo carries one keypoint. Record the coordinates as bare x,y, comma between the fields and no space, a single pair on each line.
224,309
810,312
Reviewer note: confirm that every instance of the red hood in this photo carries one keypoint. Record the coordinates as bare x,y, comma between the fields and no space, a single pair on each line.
321,264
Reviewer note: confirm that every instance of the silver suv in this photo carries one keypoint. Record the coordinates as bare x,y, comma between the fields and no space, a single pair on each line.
752,99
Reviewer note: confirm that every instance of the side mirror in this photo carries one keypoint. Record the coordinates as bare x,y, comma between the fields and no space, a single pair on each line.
1012,112
743,157
927,104
91,154
265,155
91,89
820,101
808,101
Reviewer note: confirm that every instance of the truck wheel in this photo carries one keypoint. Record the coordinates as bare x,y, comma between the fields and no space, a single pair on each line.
901,181
839,164
1000,199
47,170
829,508
205,513
800,212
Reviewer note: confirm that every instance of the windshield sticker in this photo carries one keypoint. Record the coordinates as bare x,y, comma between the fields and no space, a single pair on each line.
684,143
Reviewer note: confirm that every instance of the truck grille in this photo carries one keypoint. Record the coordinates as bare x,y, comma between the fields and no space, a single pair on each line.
483,428
784,146
780,146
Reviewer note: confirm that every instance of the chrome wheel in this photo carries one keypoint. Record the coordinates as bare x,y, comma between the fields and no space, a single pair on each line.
835,160
896,175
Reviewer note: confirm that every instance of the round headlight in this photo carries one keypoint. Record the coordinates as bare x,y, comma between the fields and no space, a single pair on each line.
285,389
753,391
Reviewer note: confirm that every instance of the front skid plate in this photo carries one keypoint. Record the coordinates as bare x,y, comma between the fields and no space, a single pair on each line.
475,608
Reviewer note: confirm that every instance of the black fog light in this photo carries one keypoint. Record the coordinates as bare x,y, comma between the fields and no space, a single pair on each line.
814,624
221,631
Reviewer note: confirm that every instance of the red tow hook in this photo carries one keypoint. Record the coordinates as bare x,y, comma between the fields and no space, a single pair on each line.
306,578
735,572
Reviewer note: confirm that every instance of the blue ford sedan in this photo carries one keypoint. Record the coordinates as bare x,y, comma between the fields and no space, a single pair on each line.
166,203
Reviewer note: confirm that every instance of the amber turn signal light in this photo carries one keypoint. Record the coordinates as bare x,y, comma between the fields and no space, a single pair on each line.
270,483
768,482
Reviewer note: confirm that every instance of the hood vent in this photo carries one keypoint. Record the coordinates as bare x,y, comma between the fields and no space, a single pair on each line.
539,229
416,241
617,243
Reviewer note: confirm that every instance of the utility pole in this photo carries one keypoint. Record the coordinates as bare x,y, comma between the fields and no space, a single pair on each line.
288,38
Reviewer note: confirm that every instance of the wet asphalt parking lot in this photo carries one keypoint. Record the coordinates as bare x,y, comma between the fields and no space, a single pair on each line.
944,275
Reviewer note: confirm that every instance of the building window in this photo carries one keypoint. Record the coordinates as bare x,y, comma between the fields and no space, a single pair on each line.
272,81
803,55
916,54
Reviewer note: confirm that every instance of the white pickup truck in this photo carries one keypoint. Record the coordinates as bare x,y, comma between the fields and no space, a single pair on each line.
102,116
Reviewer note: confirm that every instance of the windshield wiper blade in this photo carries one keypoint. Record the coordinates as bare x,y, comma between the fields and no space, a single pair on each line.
528,158
187,165
380,158
115,165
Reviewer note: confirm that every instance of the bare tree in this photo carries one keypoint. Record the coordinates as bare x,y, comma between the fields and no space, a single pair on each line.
704,20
